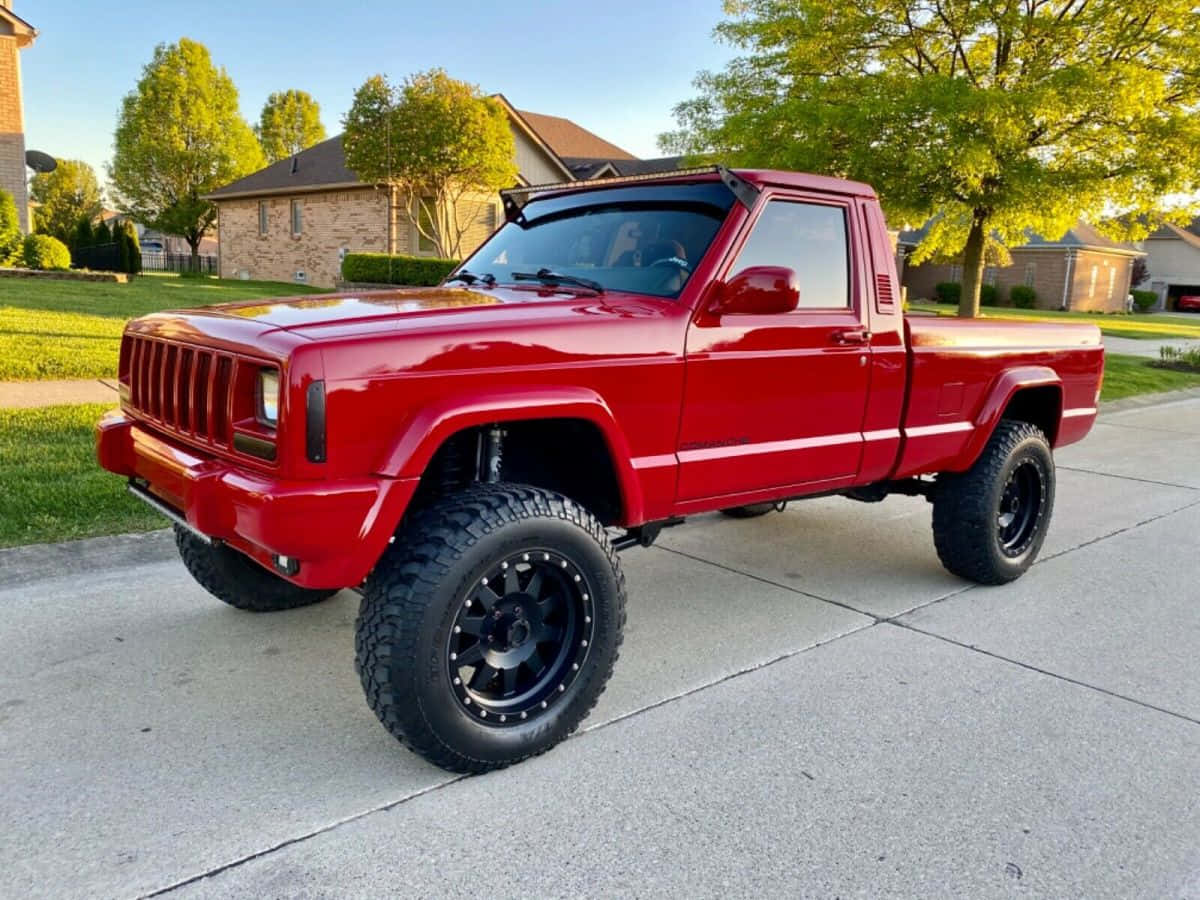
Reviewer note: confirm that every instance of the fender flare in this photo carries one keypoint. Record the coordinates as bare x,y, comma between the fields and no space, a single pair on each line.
430,426
1003,389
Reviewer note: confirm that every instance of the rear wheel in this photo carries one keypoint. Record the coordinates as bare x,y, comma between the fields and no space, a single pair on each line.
233,578
990,521
490,628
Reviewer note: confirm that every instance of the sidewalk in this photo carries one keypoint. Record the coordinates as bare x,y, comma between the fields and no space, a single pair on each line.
1147,348
32,394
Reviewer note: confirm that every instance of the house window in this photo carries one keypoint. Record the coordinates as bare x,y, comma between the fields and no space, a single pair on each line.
1030,273
424,211
491,216
262,216
956,273
1112,281
989,276
297,218
1092,285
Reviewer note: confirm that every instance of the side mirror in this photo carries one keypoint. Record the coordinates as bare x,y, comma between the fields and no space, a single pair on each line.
759,290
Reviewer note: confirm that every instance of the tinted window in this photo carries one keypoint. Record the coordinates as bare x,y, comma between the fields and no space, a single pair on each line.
646,239
808,238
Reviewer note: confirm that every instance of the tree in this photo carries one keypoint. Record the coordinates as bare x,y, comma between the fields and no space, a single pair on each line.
438,144
987,119
68,194
1138,272
290,122
102,234
82,235
10,230
179,136
129,248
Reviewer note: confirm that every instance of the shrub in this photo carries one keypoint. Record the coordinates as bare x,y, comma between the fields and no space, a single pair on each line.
1022,296
1143,300
949,292
102,234
380,268
129,250
1186,359
10,230
988,295
44,252
82,235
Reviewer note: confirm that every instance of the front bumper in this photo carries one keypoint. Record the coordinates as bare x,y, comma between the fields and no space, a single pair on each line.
336,530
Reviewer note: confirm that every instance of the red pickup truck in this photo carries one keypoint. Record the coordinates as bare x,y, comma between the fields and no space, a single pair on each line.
619,355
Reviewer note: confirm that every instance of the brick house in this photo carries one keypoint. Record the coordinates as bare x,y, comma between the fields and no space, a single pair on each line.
1173,261
15,35
295,219
1082,270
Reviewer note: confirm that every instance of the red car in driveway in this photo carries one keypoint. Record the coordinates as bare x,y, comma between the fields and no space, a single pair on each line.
1188,303
619,355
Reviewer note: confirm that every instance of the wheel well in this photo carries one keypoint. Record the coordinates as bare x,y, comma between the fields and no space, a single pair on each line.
569,456
1040,406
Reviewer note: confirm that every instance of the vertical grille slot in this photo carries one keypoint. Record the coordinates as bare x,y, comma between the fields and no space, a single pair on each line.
185,390
202,385
170,386
220,398
156,379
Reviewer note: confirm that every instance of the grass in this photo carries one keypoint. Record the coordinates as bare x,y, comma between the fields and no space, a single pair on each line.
51,488
72,329
1126,376
1149,326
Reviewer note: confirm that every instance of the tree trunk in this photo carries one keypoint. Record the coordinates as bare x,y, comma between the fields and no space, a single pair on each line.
968,302
194,243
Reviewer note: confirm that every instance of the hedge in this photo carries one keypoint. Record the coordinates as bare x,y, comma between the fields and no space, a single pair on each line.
988,295
44,252
380,268
1144,300
949,292
1022,296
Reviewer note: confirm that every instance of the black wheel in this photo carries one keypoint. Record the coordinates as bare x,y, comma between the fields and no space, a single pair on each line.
752,511
489,629
990,521
238,580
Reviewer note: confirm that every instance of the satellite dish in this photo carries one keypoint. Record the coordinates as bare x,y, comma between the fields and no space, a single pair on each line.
40,162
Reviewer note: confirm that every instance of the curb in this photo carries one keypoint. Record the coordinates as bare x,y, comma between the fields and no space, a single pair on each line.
1140,401
34,562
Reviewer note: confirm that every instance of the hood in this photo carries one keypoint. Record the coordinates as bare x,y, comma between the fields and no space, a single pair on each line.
361,307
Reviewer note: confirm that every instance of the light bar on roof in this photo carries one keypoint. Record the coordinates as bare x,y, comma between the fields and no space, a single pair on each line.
745,192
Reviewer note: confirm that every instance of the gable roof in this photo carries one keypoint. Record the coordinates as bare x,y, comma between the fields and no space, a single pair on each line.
568,139
1189,234
16,26
1081,236
584,168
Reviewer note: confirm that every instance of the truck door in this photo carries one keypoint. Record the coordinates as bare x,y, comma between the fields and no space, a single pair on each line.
774,401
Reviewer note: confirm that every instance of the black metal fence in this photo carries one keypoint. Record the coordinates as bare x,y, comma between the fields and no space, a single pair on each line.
98,258
179,262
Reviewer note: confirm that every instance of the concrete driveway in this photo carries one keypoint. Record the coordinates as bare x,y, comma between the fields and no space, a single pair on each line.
806,704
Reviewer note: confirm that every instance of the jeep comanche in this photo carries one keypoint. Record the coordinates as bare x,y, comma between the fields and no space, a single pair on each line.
619,355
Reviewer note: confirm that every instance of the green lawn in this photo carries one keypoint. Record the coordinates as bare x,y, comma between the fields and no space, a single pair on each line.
1125,376
1149,326
72,329
51,488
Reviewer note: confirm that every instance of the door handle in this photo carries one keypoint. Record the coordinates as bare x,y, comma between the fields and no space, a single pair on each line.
852,336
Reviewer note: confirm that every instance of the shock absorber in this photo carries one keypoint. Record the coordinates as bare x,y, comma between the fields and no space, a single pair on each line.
491,443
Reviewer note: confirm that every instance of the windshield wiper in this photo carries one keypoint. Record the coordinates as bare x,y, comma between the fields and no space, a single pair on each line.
547,276
470,277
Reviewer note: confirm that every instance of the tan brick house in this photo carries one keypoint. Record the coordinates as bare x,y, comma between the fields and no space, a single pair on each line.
15,35
295,219
1082,270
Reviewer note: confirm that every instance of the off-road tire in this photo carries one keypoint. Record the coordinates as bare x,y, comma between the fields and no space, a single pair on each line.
415,594
966,529
751,511
239,581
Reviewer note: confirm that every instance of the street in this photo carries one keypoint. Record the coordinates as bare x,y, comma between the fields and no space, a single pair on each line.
806,704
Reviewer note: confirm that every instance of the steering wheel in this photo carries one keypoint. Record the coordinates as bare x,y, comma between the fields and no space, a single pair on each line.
671,261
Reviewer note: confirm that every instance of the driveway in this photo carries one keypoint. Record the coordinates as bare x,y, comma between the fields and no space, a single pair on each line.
806,704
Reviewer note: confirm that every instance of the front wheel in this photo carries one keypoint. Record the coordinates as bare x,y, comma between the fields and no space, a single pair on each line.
490,628
990,521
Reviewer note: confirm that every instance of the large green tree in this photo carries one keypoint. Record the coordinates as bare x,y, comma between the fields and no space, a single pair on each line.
439,145
290,122
988,118
179,136
70,193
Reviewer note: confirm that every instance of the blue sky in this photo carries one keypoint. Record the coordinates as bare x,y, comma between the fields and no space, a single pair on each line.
616,69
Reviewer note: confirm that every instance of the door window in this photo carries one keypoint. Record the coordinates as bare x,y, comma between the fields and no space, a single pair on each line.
810,239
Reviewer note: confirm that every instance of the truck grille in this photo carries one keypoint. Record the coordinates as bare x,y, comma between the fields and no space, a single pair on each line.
182,389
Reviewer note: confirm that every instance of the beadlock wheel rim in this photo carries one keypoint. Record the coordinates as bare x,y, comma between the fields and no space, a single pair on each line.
520,637
1022,505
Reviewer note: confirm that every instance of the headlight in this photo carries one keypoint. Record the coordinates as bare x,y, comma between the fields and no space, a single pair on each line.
268,397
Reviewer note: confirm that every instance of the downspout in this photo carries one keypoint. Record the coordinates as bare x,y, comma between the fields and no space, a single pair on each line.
1066,297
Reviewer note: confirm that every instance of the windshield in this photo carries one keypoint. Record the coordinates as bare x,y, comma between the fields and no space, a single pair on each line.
645,240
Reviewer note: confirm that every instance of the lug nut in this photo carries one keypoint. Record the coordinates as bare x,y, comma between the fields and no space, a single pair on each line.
516,611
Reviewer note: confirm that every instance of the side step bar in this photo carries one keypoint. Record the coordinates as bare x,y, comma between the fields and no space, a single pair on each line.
170,512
